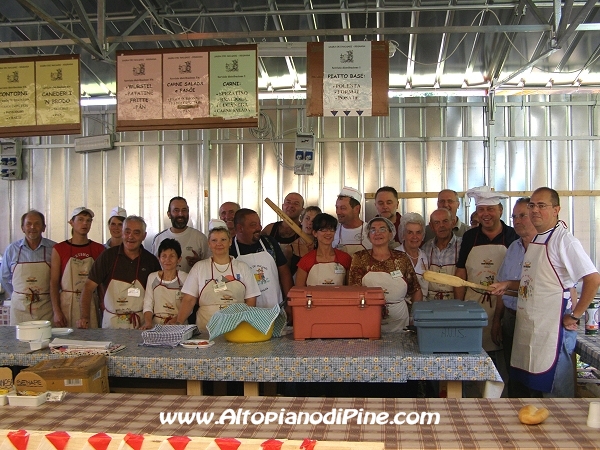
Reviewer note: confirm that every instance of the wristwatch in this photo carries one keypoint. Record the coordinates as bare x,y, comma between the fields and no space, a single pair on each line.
572,316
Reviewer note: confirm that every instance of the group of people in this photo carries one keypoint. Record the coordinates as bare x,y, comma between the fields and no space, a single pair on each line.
188,276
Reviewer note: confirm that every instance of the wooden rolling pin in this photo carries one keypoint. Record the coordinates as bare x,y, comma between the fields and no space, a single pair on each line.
451,280
293,225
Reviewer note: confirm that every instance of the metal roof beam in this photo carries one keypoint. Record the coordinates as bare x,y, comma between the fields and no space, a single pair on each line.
279,27
53,23
86,24
412,45
572,45
311,18
563,35
130,29
443,53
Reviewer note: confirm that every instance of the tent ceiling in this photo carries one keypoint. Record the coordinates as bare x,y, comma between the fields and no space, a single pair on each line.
523,44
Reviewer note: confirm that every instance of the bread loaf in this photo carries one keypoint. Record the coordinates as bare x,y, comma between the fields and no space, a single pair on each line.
530,415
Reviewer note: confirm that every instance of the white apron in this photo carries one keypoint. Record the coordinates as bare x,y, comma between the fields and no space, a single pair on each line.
482,267
123,301
351,249
538,329
167,301
396,315
266,274
439,291
72,282
31,291
217,295
329,274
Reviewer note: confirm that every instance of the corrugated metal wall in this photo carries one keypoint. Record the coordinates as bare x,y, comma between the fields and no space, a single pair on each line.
425,145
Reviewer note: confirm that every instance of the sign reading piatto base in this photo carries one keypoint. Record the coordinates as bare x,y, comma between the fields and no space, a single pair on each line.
187,88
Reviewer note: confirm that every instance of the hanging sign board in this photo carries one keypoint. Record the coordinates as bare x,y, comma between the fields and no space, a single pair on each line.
40,96
232,84
185,85
205,87
140,87
347,84
347,79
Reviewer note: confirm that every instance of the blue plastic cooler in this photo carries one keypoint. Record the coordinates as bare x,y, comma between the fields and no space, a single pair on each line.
449,326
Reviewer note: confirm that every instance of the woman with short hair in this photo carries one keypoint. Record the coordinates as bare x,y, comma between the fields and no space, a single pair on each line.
412,232
388,269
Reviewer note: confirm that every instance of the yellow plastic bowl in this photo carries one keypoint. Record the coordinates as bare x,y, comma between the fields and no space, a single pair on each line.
245,333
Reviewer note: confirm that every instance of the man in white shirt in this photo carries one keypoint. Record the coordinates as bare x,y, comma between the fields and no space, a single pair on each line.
351,234
194,243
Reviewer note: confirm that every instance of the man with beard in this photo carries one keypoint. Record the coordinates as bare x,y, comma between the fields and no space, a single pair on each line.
194,243
226,213
352,234
264,256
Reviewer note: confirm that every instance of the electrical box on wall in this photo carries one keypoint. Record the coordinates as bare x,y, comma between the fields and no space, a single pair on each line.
304,163
11,163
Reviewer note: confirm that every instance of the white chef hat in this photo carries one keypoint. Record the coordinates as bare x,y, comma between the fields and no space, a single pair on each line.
348,191
484,196
80,210
117,211
216,223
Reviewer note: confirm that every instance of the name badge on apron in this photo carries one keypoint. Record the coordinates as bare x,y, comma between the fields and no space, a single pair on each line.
396,274
339,268
133,292
220,286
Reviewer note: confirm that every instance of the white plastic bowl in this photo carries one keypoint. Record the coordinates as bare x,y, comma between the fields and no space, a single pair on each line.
34,330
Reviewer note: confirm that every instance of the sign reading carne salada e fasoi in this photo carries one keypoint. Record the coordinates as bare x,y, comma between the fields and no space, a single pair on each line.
17,94
185,85
233,84
139,87
57,92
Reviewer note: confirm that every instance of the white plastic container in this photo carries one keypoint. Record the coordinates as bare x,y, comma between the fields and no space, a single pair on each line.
26,400
35,330
4,397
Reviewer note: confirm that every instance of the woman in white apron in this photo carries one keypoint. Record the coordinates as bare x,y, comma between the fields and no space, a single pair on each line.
388,269
218,281
412,226
542,302
163,290
325,265
30,299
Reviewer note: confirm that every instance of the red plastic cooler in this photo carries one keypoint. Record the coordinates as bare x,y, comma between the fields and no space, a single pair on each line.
336,312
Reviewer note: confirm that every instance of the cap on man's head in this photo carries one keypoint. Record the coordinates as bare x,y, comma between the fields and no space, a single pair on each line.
81,209
348,191
216,223
117,211
484,196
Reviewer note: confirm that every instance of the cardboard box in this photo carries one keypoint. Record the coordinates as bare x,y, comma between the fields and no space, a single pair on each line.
80,374
449,326
336,312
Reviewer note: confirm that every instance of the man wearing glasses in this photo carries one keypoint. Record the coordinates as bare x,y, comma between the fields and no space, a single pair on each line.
547,315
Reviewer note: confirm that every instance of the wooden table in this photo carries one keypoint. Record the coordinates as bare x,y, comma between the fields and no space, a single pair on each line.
393,359
463,423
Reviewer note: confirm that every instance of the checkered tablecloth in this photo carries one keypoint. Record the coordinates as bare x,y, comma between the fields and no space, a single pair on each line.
394,358
464,423
588,348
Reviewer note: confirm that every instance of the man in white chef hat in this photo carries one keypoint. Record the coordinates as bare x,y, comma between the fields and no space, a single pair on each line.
352,234
481,254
